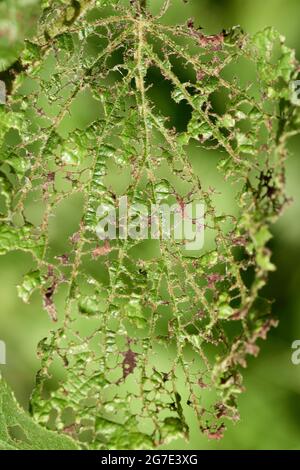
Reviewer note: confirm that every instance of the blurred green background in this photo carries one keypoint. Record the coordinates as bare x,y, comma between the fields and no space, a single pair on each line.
270,407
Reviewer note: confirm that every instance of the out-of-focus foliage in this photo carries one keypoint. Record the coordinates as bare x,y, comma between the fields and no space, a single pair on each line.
17,20
168,307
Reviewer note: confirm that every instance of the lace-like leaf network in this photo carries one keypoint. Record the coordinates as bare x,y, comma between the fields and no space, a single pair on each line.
149,331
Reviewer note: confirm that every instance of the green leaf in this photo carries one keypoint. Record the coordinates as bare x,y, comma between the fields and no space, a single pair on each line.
18,431
145,323
30,283
15,23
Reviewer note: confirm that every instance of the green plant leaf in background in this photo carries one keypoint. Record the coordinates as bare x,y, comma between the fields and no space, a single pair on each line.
18,431
17,21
